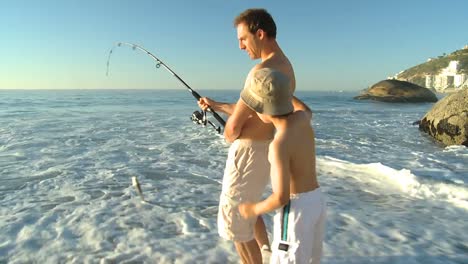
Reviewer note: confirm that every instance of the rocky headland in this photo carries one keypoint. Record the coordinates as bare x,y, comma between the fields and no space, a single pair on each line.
396,91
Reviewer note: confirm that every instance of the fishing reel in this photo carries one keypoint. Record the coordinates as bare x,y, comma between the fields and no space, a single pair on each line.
199,118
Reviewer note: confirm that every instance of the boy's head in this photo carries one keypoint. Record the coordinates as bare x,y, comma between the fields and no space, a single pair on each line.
269,93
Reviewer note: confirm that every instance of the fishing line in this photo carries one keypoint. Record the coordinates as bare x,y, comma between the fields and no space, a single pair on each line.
196,115
137,186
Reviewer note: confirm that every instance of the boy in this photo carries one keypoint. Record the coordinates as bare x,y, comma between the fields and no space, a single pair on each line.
299,227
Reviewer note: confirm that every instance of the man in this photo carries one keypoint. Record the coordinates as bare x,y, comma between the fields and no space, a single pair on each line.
247,168
299,228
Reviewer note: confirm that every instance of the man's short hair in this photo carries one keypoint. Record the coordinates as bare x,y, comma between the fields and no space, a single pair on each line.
255,19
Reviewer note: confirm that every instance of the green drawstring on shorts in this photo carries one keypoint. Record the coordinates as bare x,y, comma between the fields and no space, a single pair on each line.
285,221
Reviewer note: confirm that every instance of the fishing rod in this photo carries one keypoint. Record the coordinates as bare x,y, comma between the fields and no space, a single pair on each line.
196,117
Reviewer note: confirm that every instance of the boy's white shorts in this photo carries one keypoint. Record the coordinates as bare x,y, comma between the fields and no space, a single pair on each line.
305,230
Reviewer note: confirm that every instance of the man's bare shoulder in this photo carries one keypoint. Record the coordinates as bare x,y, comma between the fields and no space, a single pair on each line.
256,68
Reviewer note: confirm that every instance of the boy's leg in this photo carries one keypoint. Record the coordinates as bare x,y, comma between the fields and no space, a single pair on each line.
261,234
308,215
249,252
319,236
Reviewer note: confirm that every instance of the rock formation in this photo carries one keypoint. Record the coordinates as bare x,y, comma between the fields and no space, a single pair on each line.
447,121
398,92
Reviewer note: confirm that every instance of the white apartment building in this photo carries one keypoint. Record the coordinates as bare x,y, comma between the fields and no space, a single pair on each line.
448,78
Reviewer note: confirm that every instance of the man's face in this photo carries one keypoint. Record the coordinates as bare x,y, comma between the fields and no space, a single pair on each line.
248,41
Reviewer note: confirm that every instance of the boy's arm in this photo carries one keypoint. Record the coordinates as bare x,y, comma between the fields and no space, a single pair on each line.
236,121
301,106
280,178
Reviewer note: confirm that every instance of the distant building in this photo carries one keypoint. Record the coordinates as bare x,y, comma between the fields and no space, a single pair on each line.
448,78
466,47
395,77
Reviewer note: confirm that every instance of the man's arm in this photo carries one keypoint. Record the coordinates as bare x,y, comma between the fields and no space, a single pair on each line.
280,180
301,106
226,108
236,121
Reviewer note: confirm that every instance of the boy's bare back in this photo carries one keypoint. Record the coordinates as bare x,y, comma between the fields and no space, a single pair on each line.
295,146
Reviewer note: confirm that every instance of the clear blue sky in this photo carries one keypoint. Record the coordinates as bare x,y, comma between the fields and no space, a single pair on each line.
333,44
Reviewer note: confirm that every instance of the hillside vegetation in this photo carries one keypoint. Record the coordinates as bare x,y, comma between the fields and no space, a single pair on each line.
417,74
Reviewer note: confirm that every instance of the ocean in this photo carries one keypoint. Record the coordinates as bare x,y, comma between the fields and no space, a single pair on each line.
67,157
